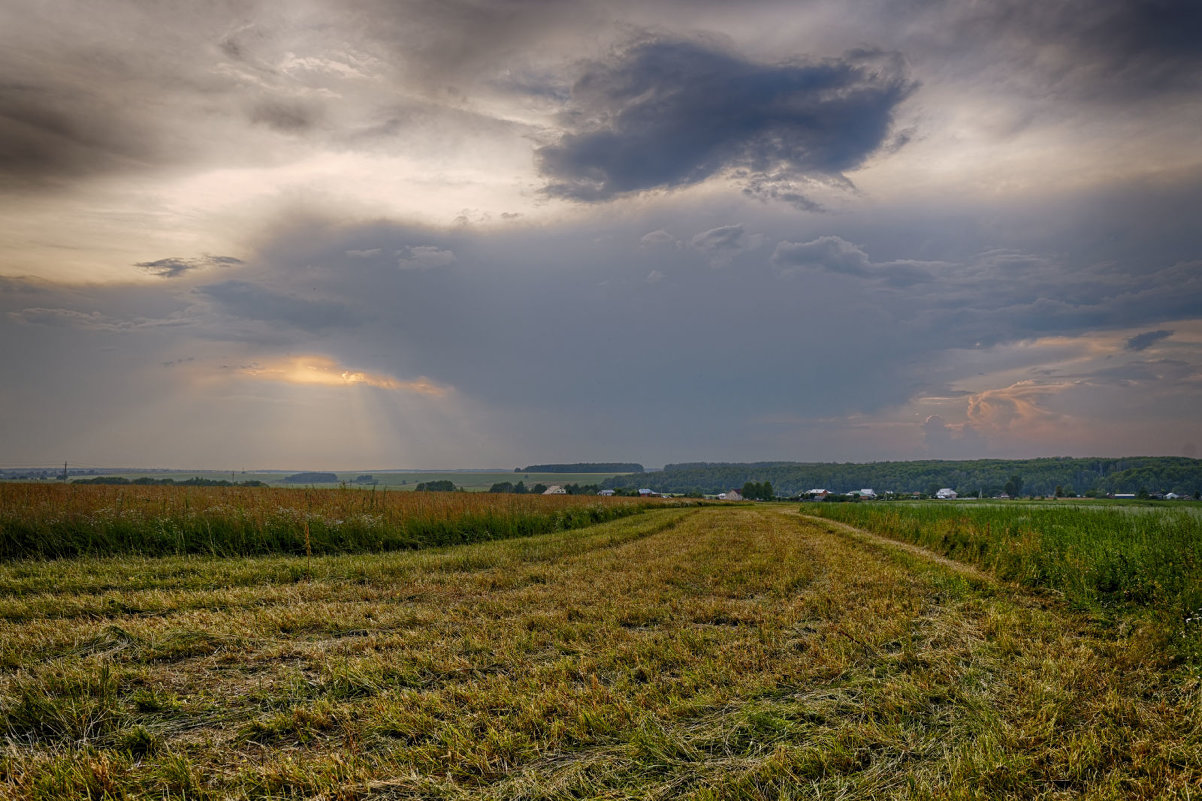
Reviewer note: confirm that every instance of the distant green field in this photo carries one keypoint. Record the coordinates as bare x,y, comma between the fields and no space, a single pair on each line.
470,480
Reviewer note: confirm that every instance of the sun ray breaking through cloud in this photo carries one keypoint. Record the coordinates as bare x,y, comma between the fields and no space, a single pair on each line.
327,372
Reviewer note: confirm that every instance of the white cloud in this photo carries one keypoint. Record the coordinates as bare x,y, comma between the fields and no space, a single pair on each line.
660,238
722,244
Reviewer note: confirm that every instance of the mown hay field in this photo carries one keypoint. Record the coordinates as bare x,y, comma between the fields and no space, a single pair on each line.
715,652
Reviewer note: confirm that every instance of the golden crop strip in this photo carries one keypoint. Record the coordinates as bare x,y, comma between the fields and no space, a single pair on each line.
39,520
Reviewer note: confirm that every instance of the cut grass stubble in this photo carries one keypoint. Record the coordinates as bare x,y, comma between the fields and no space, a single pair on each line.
714,653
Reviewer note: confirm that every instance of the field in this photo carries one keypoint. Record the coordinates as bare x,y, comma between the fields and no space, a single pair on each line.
1124,562
709,652
56,520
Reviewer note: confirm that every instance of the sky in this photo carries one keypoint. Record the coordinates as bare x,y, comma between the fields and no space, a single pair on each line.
488,233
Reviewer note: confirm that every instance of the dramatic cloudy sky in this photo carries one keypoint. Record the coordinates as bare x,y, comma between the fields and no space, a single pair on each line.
419,233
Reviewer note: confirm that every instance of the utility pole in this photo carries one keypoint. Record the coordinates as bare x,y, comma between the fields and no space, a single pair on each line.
64,471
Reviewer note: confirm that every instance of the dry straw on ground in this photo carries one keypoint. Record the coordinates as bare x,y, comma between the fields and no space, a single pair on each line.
700,653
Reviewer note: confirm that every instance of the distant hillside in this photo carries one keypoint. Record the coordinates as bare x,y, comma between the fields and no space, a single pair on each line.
989,476
582,467
311,478
145,481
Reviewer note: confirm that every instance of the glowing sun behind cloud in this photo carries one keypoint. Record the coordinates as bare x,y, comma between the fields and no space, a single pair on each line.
327,372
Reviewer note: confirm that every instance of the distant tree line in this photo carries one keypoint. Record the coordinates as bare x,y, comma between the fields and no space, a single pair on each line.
311,478
436,486
758,491
520,488
582,467
168,482
987,477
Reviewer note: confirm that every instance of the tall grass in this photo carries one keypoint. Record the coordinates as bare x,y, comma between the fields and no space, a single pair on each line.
54,521
1101,558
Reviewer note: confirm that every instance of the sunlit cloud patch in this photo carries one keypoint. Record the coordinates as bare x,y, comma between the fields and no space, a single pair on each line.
327,372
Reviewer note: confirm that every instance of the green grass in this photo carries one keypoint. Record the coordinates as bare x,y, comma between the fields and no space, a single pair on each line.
1141,563
720,652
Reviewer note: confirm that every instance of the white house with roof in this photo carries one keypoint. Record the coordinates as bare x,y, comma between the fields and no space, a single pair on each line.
555,489
946,494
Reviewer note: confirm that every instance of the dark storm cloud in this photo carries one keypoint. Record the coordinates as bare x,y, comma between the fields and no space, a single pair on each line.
248,301
690,357
151,86
1127,47
138,88
667,113
49,133
1106,50
718,335
980,303
682,359
1147,339
174,267
88,91
1051,297
523,282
